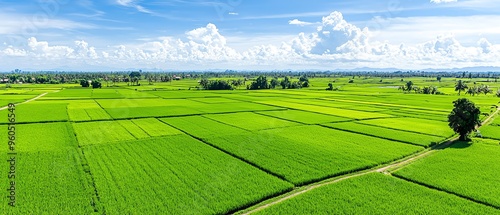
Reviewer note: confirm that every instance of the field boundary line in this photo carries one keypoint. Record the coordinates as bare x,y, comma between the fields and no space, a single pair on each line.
229,153
446,191
29,100
378,137
378,169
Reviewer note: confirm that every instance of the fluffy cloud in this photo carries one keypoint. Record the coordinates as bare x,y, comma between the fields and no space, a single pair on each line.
335,43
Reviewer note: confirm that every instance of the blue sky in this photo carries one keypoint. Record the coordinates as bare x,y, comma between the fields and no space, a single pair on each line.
244,34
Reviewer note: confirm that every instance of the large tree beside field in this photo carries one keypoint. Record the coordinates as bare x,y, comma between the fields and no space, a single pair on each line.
464,117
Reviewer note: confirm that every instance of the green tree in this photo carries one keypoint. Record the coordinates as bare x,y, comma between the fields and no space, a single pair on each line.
464,117
460,86
330,87
409,86
96,84
135,77
259,84
274,82
285,84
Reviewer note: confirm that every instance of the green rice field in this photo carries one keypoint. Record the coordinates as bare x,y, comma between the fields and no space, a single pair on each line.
169,148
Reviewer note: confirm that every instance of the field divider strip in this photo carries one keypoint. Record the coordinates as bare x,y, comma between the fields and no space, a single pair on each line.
397,129
231,154
377,169
445,191
24,102
97,203
371,135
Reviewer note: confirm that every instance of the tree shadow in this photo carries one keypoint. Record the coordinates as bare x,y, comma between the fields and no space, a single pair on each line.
461,144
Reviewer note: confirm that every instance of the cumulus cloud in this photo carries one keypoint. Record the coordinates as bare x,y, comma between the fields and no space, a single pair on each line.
442,1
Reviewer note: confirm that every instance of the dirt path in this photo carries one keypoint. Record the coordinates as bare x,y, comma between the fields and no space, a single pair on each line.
29,100
384,170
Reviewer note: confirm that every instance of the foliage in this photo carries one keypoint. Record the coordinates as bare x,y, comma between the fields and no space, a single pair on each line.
84,83
375,193
274,82
330,87
216,85
260,84
464,117
96,84
460,86
465,168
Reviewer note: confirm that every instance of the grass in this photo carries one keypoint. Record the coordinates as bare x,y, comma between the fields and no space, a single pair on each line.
91,133
491,131
376,194
155,128
423,126
304,117
38,112
172,176
49,176
403,136
353,114
466,168
304,154
251,121
202,127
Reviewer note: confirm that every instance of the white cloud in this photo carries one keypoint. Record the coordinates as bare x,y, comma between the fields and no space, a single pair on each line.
233,13
442,1
298,22
336,43
133,3
26,24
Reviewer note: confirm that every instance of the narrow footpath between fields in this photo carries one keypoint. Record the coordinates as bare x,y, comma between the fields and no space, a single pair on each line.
29,100
385,169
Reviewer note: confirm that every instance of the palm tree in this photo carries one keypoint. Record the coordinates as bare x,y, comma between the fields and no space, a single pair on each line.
409,86
460,86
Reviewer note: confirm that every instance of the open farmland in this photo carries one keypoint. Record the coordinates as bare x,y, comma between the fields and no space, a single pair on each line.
465,169
376,194
170,149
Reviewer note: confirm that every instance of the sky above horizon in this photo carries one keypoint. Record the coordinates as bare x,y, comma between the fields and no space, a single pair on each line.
247,35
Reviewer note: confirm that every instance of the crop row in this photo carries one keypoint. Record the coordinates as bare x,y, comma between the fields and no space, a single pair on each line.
467,169
376,194
304,117
102,132
251,121
423,126
353,114
175,175
300,154
403,136
49,176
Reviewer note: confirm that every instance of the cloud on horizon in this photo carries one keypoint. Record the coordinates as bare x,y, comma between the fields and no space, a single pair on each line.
336,43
